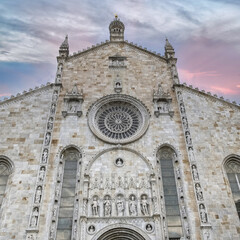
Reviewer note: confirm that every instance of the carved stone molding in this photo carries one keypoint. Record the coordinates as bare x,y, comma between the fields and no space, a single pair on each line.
117,62
73,103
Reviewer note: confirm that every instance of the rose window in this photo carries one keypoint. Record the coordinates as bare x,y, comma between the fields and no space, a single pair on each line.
118,120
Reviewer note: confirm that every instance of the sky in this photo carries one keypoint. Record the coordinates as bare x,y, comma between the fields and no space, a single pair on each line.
205,35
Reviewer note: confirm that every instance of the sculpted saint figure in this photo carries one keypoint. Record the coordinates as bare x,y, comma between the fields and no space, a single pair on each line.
50,124
132,206
144,205
120,206
45,156
38,194
203,213
34,218
47,138
107,207
41,174
95,207
199,192
195,173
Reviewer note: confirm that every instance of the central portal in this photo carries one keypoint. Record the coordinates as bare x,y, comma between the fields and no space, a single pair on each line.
121,234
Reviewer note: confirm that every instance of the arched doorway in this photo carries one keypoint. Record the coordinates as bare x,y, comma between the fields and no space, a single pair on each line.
121,231
121,234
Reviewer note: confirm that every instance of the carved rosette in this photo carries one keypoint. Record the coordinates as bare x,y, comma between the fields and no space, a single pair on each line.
118,119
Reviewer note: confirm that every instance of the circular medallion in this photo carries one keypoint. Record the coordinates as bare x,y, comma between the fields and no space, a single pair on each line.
118,119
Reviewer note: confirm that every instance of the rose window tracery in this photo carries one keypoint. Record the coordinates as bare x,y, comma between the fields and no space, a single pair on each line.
118,120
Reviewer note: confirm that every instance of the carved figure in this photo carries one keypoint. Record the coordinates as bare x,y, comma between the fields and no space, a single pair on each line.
182,108
195,173
144,205
38,195
47,138
185,123
178,174
203,213
60,172
206,235
95,207
57,191
107,184
183,210
120,206
91,229
41,174
54,212
73,107
53,108
50,123
149,227
188,138
55,96
119,162
107,207
180,189
179,96
45,156
132,184
132,206
120,182
34,218
31,237
199,192
191,154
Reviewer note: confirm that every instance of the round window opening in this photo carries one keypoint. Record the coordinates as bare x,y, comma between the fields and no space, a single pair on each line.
118,119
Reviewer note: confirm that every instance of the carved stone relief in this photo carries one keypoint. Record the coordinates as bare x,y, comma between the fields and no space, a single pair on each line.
117,61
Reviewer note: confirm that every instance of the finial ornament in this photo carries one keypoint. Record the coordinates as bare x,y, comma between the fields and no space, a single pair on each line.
116,16
116,29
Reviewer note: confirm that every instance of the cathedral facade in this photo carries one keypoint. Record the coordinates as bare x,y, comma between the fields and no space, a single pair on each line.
117,148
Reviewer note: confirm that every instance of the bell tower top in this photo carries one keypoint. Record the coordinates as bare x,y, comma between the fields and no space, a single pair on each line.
116,29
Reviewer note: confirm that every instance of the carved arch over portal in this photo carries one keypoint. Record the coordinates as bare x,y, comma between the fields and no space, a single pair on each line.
89,165
119,231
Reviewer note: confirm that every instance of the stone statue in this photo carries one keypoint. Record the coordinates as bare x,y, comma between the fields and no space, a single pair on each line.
34,218
50,124
53,108
47,138
203,213
119,162
95,207
188,138
149,227
38,195
199,192
195,173
91,229
132,206
41,174
95,185
55,96
107,207
120,182
120,206
191,154
206,235
144,205
107,184
185,123
60,172
182,108
45,156
132,184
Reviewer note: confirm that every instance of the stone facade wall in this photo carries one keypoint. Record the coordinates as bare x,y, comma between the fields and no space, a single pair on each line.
22,125
215,130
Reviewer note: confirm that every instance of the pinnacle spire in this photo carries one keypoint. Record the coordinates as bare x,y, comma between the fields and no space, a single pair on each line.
64,48
169,50
116,29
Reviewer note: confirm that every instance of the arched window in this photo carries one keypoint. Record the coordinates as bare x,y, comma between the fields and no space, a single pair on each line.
232,167
167,156
67,175
5,171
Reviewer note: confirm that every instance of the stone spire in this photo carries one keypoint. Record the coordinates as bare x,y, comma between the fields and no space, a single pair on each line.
116,29
64,48
169,50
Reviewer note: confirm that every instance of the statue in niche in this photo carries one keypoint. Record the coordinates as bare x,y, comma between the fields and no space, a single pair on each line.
149,227
53,108
203,213
191,154
107,206
107,184
120,206
182,108
55,96
73,106
144,205
180,189
132,206
163,107
119,162
50,123
41,174
132,184
120,182
183,210
38,195
45,156
188,138
47,138
95,185
91,229
206,235
95,206
179,96
34,218
195,173
178,174
199,192
185,123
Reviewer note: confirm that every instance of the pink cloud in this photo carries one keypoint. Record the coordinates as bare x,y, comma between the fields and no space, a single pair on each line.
223,90
4,94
